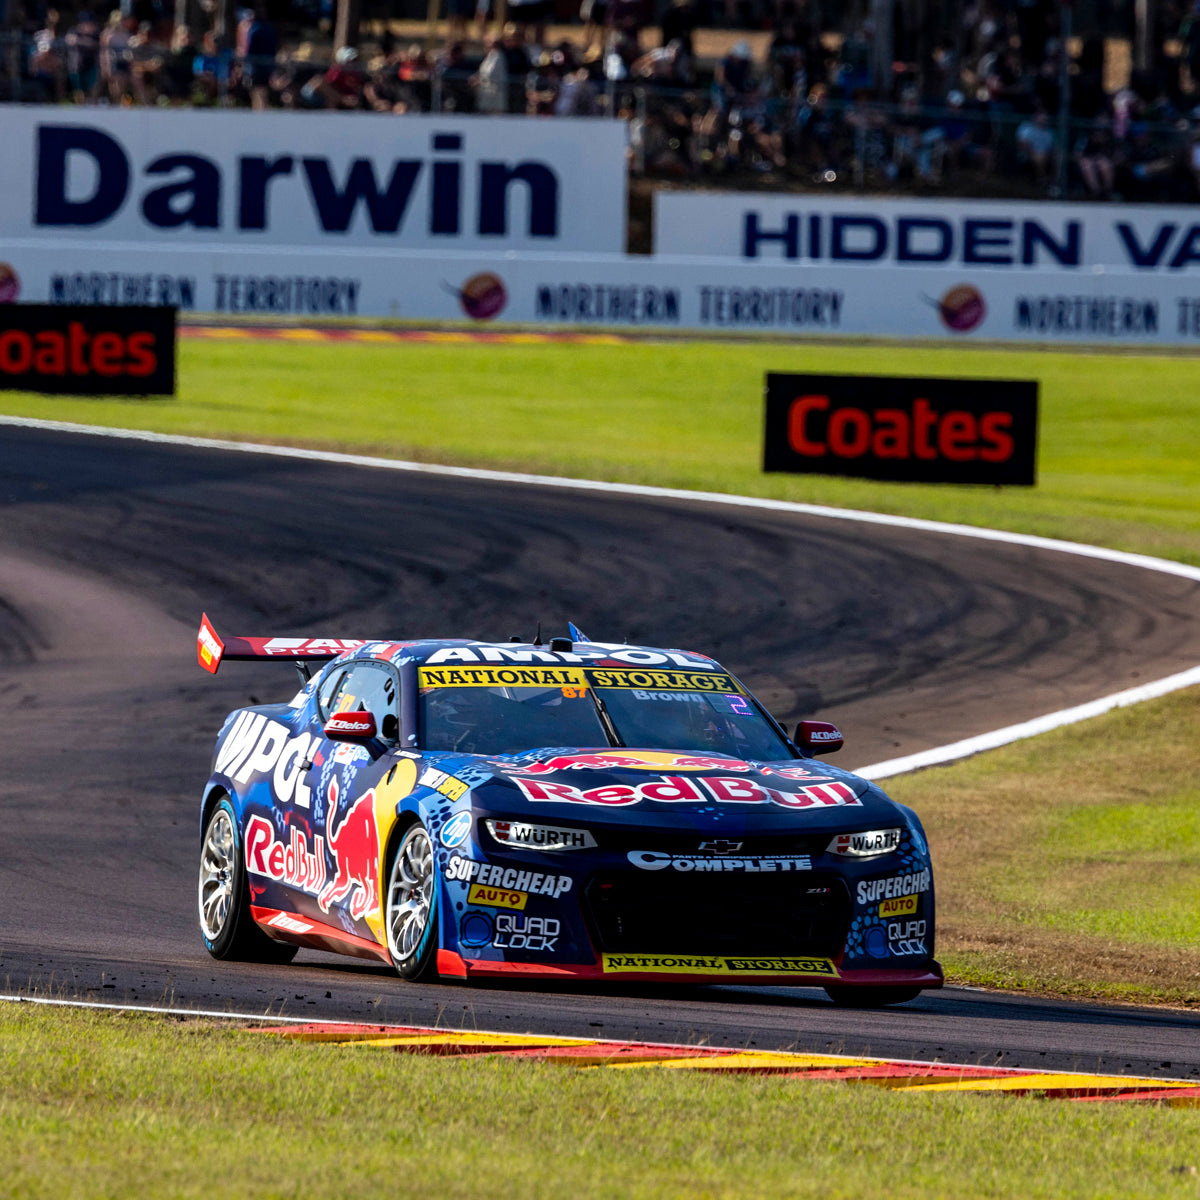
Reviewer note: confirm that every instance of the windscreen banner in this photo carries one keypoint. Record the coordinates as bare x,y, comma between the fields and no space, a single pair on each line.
87,350
902,430
597,292
322,181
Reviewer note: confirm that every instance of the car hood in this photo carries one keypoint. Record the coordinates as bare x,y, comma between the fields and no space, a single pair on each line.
629,786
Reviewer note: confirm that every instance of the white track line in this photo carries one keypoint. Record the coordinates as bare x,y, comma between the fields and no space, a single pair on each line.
1027,729
894,766
907,1062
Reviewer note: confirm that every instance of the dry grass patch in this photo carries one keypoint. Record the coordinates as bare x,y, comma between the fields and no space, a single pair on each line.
1071,862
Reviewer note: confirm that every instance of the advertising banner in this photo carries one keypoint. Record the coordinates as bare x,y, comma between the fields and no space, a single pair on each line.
1015,236
93,351
902,430
613,291
315,180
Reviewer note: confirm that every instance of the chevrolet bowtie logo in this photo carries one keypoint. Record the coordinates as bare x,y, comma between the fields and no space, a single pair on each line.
720,846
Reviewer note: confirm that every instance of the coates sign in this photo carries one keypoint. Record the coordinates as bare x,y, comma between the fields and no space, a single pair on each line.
952,234
313,180
126,351
902,430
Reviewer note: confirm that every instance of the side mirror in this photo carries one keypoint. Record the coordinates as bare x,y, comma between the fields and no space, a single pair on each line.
818,737
350,727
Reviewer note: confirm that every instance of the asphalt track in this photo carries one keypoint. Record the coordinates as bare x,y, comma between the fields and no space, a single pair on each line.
110,548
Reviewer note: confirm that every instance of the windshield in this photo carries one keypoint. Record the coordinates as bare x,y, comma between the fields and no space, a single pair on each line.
499,710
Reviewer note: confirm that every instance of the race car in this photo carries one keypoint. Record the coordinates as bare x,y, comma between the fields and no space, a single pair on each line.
573,810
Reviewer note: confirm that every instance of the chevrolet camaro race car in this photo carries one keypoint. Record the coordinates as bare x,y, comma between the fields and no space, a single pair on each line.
575,811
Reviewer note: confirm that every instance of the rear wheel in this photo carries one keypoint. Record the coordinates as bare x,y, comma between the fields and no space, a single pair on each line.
226,926
412,917
871,997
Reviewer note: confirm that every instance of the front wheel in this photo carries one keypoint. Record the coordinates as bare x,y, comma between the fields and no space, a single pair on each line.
226,925
871,997
412,917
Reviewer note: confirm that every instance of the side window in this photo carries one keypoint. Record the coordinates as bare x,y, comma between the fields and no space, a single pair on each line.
366,687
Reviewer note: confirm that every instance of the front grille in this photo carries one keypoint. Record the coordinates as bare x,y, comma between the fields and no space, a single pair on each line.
674,841
792,914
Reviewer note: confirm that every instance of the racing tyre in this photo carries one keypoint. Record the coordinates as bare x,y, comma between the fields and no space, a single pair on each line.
226,926
412,917
870,997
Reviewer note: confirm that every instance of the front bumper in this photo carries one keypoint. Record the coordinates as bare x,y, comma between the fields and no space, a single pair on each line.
806,920
454,966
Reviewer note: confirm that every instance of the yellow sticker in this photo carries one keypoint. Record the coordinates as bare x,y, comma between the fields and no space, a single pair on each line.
557,677
663,681
452,788
494,897
705,964
898,906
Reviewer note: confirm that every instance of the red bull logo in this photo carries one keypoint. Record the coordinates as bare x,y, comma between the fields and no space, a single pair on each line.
288,862
354,845
724,789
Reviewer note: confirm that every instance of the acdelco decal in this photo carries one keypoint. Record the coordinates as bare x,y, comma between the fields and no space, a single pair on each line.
871,890
88,350
652,860
468,870
544,677
904,430
695,964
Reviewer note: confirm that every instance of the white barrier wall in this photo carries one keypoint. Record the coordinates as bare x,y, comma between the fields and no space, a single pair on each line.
583,291
932,235
162,178
320,215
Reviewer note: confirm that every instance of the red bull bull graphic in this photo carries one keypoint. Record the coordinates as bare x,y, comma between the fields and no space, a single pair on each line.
354,845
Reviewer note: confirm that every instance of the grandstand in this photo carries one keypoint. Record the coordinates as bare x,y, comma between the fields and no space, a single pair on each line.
1018,98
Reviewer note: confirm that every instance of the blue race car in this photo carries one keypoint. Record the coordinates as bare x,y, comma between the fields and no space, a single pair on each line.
576,810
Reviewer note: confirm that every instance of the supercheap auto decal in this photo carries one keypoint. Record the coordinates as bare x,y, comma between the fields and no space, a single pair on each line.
892,918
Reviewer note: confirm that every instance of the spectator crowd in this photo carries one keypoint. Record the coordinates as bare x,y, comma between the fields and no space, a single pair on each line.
973,107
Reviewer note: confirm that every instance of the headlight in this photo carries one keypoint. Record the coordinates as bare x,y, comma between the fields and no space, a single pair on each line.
868,844
520,835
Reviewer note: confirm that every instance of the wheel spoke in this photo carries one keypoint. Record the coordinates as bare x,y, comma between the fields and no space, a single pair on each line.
410,894
217,872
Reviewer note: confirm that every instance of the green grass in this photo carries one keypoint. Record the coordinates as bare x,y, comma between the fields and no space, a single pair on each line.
1068,863
1120,433
97,1105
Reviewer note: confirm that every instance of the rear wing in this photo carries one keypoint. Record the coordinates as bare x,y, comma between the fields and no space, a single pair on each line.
211,649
